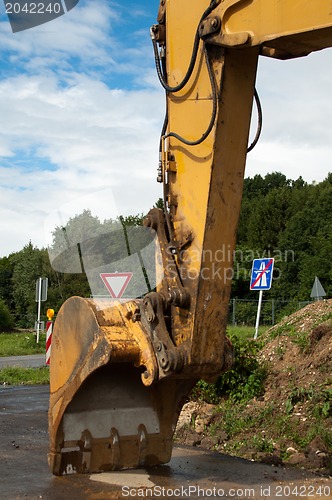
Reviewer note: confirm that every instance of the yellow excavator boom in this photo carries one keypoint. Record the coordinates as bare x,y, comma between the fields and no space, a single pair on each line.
120,372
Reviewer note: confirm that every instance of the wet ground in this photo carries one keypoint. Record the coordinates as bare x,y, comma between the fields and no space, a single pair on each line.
192,473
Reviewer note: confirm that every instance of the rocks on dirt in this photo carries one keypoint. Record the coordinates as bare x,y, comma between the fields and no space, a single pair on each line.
194,419
298,354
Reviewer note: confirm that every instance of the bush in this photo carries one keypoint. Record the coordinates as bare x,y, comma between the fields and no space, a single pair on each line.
246,379
6,319
243,382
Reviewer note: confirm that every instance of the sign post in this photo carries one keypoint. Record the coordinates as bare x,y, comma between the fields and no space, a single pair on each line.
49,329
41,296
261,279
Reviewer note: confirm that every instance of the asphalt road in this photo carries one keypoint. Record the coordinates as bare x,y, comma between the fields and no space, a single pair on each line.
192,472
29,361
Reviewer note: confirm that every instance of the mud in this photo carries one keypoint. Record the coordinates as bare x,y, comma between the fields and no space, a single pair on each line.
192,473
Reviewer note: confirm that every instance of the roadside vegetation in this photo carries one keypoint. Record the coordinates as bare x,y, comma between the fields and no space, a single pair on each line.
244,331
24,376
275,405
21,344
244,381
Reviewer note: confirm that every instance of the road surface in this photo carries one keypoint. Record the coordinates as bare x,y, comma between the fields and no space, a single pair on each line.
192,472
28,361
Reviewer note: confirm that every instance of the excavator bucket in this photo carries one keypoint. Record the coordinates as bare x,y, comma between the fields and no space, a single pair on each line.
105,412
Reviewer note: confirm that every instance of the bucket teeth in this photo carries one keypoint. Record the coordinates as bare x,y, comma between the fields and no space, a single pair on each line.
113,453
115,449
142,444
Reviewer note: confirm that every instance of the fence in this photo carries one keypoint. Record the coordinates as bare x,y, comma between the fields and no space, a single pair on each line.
243,311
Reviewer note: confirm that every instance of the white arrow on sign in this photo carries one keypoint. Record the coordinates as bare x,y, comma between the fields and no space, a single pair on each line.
116,283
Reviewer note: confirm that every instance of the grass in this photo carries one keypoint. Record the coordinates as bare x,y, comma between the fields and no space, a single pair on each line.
244,332
24,376
243,427
20,344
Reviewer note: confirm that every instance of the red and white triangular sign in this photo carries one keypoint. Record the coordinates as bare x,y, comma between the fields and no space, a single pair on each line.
116,283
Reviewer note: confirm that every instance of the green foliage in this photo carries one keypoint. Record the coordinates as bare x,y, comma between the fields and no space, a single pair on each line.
24,376
243,382
85,247
20,344
28,266
205,392
323,403
258,428
262,445
6,319
246,379
6,287
298,395
302,340
318,399
233,422
291,221
159,204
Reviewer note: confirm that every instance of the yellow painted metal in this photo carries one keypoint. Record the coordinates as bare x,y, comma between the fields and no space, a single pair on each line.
205,189
292,27
208,180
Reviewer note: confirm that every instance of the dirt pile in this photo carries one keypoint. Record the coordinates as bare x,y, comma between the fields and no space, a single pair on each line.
291,422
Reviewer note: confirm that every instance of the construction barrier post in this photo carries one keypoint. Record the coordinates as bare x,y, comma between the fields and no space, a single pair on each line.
49,329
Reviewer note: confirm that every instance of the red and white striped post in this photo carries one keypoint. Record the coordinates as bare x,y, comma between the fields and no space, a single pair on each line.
49,329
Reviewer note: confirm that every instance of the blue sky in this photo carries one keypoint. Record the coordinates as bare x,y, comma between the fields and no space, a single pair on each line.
81,111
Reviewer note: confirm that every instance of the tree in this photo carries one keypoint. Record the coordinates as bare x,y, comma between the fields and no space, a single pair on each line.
292,220
28,266
6,286
6,319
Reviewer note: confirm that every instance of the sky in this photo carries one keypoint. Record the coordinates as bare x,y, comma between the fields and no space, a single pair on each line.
81,112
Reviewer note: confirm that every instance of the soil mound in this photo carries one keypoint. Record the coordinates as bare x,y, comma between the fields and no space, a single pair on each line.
291,422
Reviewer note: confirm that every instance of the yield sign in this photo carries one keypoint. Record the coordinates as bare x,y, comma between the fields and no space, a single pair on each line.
116,283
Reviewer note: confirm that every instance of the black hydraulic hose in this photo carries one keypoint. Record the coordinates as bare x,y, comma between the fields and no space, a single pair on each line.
168,221
163,132
188,74
260,122
214,108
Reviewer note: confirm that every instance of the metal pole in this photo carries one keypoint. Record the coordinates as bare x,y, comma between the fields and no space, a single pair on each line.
258,313
39,307
272,312
233,312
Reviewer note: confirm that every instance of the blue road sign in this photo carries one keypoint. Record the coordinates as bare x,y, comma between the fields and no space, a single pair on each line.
261,274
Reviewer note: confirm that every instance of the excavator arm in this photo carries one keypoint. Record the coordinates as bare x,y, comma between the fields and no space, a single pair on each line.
120,374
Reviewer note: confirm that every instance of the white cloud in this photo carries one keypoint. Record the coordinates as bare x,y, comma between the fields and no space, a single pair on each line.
297,110
93,136
84,32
